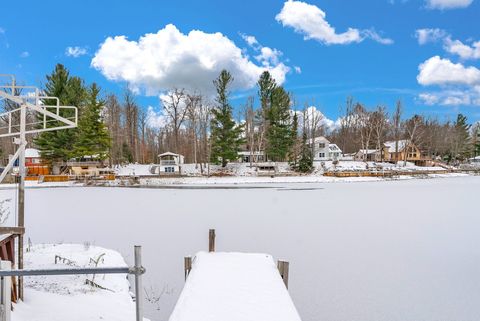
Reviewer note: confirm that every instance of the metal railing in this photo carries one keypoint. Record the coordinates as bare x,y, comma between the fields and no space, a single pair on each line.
138,270
168,162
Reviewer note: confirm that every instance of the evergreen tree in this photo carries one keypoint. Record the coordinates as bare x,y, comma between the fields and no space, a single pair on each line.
225,133
127,153
461,137
93,137
279,131
295,150
266,85
58,144
477,141
305,163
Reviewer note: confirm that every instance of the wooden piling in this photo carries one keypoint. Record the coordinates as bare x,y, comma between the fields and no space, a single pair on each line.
283,268
188,265
211,240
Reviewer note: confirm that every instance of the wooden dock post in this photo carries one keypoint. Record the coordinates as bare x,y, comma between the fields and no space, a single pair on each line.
211,240
283,269
188,265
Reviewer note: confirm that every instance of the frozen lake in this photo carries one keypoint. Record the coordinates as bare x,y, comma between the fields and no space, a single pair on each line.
384,251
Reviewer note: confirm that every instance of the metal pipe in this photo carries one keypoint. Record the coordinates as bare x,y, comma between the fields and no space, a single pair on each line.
21,192
39,272
138,283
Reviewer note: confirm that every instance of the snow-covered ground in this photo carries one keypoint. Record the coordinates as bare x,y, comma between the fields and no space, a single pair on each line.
380,250
234,287
241,173
244,169
62,298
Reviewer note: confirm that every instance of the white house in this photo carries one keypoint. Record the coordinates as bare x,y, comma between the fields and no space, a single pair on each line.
323,150
369,155
170,163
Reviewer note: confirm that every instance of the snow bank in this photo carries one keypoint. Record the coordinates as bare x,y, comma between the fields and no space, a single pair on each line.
234,287
244,169
61,298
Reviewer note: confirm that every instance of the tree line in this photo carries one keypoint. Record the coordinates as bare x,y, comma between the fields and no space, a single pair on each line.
207,129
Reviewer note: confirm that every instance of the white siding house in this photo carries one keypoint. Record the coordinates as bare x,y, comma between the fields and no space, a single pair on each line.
323,150
170,164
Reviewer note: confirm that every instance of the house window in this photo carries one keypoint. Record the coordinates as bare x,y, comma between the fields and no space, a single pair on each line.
169,169
321,155
321,145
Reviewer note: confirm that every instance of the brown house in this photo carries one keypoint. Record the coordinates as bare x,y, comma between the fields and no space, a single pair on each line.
407,150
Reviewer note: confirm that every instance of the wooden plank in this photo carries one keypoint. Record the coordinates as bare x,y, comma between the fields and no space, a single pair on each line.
12,230
3,252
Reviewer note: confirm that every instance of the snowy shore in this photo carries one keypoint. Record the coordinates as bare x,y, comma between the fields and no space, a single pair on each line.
60,298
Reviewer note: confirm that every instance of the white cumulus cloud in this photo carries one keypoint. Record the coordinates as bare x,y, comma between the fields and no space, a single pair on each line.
310,20
167,59
447,4
25,54
439,71
462,50
429,35
250,40
75,51
452,97
459,84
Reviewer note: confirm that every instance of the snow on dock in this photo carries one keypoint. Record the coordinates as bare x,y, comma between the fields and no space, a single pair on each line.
234,287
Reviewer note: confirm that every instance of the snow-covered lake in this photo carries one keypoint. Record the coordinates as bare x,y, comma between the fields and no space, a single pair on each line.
392,250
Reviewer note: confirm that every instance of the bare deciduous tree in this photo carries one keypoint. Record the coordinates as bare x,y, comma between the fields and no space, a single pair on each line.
175,108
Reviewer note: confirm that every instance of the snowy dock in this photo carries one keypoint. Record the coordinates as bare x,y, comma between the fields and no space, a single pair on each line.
234,287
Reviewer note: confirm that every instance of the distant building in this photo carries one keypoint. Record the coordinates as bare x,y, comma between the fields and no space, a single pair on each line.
170,163
407,150
324,150
369,155
246,156
32,157
34,163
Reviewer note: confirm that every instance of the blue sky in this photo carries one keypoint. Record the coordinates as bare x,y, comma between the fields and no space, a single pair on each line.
424,52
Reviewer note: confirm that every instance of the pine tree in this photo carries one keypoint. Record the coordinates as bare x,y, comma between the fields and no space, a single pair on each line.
58,145
477,141
295,149
225,133
461,139
93,137
305,163
279,131
266,84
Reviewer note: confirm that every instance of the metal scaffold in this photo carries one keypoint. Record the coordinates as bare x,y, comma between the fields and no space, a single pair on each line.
29,100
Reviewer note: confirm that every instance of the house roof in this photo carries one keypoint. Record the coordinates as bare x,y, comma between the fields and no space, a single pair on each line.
318,139
32,153
391,145
367,151
170,154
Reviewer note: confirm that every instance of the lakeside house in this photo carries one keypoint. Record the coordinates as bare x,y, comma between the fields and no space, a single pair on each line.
324,150
34,163
170,163
369,155
407,151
